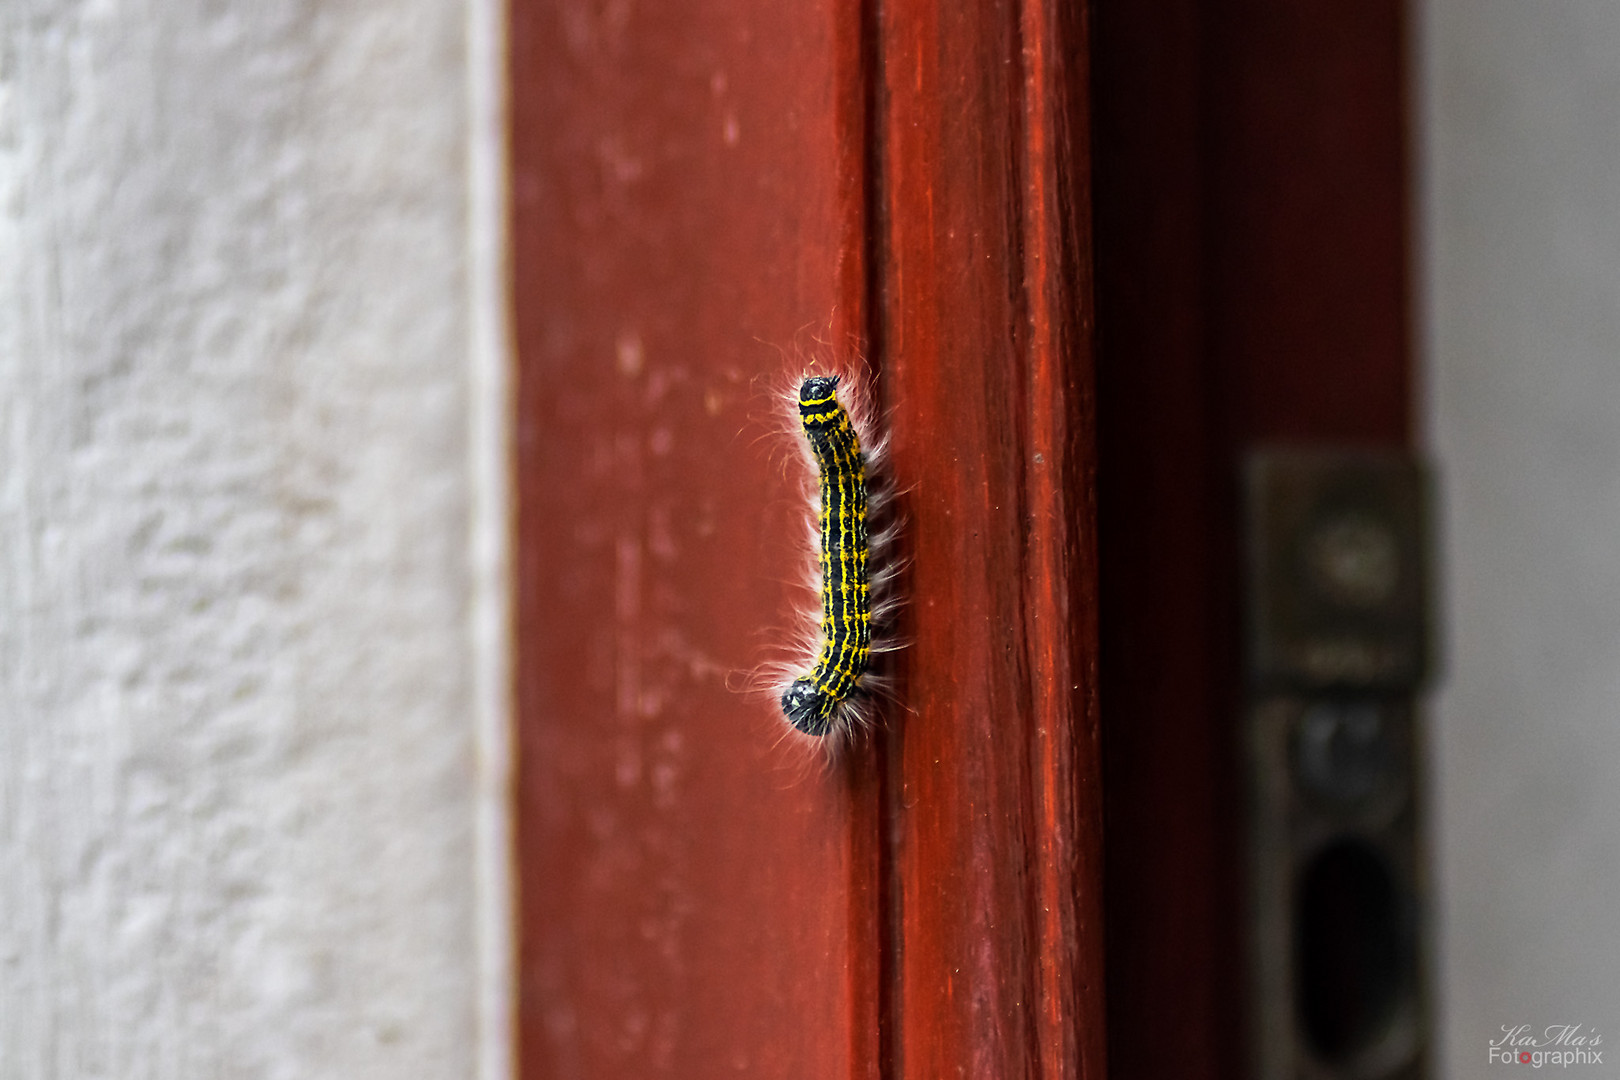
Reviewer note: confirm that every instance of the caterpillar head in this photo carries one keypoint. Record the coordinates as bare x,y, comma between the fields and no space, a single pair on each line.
807,708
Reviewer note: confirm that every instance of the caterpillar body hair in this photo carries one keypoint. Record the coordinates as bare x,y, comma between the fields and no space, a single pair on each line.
828,692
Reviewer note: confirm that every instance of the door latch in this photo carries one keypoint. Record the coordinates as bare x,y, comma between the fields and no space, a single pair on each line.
1337,650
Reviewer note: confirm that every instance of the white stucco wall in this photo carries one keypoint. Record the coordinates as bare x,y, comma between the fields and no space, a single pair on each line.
1519,137
249,541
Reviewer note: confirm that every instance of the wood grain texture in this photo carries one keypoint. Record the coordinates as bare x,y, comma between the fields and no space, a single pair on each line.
688,186
996,811
689,192
1252,287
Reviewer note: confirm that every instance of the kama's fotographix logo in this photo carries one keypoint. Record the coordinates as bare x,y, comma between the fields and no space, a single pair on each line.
1562,1045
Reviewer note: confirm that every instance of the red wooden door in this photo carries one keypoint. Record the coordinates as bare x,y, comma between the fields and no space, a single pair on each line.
697,190
689,192
1252,288
701,191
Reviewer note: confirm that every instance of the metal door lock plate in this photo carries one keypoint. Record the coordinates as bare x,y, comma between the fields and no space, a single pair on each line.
1337,570
1337,628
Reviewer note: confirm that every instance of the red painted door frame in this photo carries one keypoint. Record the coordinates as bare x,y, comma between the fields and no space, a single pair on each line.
694,185
702,191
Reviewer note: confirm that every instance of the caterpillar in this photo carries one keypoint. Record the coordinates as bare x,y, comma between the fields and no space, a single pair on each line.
832,700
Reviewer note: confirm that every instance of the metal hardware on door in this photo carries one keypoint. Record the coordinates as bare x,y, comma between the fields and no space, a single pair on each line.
1337,641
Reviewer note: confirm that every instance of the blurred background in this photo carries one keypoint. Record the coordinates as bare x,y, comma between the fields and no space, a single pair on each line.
253,497
1518,160
250,486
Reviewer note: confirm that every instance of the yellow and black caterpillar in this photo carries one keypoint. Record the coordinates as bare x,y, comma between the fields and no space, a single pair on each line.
854,540
811,701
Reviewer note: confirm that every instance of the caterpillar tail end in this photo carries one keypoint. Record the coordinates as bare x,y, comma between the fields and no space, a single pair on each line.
818,389
807,708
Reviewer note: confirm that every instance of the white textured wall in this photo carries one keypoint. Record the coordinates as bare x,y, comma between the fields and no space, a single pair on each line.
240,628
1520,146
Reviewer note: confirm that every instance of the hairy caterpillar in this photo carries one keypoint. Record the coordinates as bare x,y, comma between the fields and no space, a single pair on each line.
833,698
